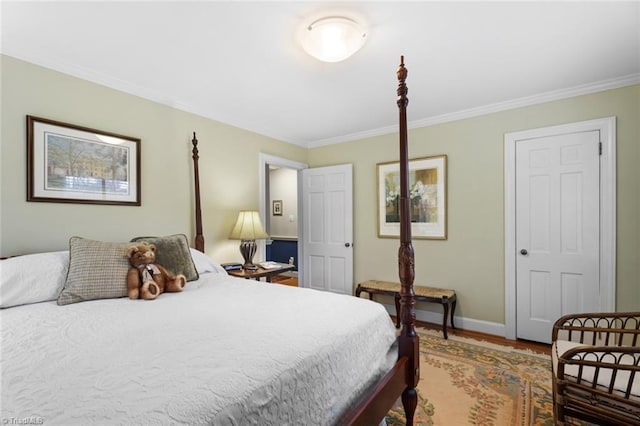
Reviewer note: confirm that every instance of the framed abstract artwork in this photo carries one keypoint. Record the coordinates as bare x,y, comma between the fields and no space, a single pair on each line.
73,164
427,193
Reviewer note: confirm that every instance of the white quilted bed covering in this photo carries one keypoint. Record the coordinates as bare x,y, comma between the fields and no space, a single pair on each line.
226,351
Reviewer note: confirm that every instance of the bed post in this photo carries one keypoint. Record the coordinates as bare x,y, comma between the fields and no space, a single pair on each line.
408,339
199,237
403,378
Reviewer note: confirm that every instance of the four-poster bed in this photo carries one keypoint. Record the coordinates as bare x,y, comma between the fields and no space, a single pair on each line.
224,351
402,379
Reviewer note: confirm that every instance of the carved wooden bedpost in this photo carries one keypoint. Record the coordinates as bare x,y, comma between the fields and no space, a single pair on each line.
408,340
199,237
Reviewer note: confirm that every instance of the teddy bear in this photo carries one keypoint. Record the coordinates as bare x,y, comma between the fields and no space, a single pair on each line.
146,279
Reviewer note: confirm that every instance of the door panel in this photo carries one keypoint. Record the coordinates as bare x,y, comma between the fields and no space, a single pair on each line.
538,229
337,275
336,218
557,230
315,272
315,208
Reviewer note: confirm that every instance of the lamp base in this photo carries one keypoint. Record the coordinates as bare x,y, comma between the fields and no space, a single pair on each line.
248,250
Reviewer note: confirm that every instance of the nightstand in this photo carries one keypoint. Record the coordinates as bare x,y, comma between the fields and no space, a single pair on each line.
261,273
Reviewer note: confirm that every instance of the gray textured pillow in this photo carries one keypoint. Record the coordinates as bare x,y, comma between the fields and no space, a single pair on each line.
173,253
97,270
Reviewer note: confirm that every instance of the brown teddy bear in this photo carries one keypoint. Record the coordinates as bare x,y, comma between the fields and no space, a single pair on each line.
147,280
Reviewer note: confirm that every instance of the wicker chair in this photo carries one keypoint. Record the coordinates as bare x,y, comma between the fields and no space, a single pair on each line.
596,368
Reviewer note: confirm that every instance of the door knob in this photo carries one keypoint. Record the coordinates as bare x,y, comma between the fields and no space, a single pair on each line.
347,245
523,252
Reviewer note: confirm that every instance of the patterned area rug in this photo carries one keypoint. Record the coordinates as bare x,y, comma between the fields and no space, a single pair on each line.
471,382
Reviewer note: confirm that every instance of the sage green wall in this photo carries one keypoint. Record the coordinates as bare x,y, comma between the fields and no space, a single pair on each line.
228,166
471,260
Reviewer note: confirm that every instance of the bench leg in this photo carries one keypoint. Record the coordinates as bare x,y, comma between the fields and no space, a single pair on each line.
445,306
359,290
453,310
397,300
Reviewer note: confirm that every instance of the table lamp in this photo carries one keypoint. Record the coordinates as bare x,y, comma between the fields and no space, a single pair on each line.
248,229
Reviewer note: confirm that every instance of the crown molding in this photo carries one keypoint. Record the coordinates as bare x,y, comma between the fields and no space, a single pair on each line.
555,95
136,90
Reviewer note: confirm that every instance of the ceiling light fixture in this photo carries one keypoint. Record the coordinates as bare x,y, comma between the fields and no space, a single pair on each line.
333,38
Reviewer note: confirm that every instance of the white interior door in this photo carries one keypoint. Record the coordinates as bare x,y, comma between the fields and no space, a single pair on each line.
557,230
327,237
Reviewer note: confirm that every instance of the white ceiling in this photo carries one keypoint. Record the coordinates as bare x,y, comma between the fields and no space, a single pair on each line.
239,63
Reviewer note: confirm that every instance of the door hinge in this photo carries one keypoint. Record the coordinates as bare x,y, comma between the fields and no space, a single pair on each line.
600,148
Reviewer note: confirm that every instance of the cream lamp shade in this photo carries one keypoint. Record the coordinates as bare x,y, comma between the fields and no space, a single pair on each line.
248,228
333,38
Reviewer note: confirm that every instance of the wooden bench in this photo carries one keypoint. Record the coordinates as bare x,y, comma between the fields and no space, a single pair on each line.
426,294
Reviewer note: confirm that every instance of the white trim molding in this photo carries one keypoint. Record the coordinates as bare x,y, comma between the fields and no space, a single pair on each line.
152,95
265,160
555,95
607,129
272,160
463,323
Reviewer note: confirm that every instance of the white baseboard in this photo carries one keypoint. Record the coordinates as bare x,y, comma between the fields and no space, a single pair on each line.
465,323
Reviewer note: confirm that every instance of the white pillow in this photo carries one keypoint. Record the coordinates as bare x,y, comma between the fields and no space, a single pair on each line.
205,264
32,278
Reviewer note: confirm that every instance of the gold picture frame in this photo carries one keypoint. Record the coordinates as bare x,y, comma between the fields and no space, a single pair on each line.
428,198
74,164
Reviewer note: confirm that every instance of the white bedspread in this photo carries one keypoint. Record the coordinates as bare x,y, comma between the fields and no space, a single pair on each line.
226,351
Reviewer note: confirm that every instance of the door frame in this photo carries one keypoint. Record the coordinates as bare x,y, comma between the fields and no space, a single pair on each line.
263,161
607,128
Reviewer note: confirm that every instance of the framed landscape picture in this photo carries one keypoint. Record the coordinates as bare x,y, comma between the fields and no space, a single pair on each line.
73,164
427,193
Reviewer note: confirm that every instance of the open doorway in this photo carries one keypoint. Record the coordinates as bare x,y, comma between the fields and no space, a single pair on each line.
282,221
279,211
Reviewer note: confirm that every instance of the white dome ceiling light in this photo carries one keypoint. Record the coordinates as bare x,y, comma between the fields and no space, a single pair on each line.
333,38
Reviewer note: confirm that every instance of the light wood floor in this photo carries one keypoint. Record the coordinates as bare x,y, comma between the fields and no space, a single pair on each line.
542,348
285,280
